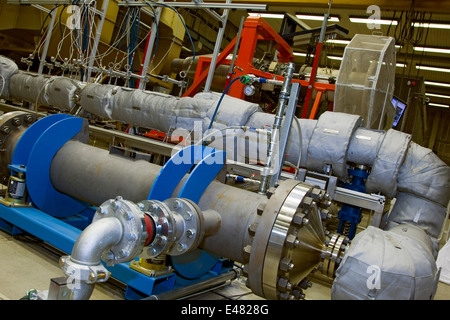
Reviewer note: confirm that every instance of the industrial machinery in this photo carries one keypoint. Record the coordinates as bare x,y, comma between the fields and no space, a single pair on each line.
130,214
170,228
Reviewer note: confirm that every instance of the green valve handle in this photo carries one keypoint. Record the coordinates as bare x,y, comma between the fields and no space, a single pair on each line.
245,79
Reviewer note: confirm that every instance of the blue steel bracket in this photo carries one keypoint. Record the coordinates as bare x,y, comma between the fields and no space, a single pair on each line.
208,163
35,150
63,236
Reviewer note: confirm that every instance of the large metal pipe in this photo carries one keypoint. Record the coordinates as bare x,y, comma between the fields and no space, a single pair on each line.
93,175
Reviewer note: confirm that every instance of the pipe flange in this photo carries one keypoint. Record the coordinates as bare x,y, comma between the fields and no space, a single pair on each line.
188,227
286,242
12,126
160,213
332,255
178,224
134,230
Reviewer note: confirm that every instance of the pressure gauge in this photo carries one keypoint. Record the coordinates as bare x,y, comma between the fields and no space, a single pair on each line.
249,90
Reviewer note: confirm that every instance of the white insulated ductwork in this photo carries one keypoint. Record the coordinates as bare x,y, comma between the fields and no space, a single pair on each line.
400,168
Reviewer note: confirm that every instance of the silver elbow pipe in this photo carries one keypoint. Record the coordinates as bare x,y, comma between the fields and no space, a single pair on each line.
83,268
95,239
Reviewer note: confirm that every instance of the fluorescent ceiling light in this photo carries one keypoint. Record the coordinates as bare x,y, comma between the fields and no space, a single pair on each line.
299,16
374,21
439,105
431,25
316,18
334,58
299,54
437,95
401,65
346,42
432,68
267,15
436,50
438,84
337,41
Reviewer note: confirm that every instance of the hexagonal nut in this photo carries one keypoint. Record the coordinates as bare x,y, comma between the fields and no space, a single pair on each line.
298,294
298,219
284,285
286,296
316,194
29,119
304,284
325,214
307,202
16,122
291,241
286,264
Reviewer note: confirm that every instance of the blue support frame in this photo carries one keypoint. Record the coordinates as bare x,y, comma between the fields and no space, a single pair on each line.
59,219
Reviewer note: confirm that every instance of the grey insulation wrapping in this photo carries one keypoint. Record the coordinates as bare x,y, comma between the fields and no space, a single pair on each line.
30,87
231,111
364,146
425,175
7,68
392,152
387,265
163,112
61,92
294,148
98,99
330,141
418,211
145,109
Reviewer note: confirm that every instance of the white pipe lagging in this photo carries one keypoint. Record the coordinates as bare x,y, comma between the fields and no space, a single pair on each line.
362,146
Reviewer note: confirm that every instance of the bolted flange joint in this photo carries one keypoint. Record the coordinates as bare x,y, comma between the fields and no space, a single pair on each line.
180,226
134,231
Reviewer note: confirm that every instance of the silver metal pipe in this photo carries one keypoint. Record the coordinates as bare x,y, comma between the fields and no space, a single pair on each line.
93,175
88,249
194,288
217,46
95,239
97,39
47,41
282,102
198,5
83,291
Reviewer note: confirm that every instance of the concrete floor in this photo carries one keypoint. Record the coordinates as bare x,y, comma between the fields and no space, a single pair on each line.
27,263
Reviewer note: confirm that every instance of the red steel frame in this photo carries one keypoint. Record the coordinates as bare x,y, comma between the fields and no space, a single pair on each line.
254,30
